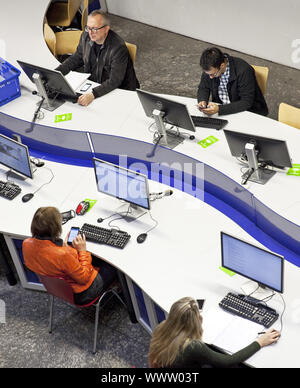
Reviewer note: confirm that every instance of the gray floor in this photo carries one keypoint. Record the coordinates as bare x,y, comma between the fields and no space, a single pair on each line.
166,63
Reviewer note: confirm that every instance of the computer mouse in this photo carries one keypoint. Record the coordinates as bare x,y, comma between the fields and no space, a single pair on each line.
141,238
27,197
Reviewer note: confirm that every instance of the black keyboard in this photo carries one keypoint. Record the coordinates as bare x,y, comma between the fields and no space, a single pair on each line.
209,122
9,190
249,308
112,237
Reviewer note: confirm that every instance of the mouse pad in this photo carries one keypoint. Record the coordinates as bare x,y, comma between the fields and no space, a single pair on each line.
208,141
91,202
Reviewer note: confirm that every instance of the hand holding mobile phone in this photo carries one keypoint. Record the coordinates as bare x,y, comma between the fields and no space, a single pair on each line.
73,233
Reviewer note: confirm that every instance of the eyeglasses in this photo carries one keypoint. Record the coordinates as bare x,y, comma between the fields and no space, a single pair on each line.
93,29
215,74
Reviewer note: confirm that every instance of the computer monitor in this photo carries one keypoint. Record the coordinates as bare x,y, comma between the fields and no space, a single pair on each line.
264,267
259,152
51,85
122,183
166,111
15,156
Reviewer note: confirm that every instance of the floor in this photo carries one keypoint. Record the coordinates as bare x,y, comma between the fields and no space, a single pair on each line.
166,63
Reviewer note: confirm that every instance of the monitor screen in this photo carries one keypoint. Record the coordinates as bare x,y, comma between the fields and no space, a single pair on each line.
15,156
53,80
175,113
122,183
273,152
264,267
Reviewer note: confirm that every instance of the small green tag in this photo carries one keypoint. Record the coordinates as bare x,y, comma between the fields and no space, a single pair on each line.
295,170
230,273
64,117
208,141
92,203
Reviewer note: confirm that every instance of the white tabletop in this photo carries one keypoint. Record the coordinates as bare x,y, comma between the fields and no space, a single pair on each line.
182,255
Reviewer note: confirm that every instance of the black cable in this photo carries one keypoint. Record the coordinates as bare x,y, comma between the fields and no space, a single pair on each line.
47,183
248,176
35,116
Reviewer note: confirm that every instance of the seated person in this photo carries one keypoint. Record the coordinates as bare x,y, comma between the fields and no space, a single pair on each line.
104,54
177,341
231,82
46,254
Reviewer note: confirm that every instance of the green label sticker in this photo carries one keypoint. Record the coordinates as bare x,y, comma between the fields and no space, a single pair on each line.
227,271
295,170
92,203
64,117
208,141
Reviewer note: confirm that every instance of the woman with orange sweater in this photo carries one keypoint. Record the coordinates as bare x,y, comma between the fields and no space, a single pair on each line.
46,254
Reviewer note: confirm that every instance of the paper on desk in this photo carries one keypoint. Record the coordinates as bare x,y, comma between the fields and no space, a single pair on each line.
76,79
229,332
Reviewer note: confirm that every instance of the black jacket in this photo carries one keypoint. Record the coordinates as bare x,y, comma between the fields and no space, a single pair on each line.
114,68
243,90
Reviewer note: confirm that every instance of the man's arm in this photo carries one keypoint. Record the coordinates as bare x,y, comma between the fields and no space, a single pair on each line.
246,90
204,88
74,62
117,73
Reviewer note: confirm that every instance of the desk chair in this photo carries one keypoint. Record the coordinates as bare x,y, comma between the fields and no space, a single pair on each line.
261,74
50,38
290,115
132,51
68,40
62,13
61,289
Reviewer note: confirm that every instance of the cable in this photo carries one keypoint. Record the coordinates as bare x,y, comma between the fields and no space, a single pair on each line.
153,227
248,176
47,183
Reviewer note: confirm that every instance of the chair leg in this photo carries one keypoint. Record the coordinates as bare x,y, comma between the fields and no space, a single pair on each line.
51,313
96,327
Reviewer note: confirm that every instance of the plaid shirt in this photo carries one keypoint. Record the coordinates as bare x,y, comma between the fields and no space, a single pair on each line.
223,93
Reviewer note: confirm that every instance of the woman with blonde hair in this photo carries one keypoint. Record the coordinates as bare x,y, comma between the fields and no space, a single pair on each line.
177,341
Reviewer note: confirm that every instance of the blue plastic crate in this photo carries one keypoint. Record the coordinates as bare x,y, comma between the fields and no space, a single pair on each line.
9,82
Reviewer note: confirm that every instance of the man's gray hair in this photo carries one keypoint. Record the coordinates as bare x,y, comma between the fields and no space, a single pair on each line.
104,15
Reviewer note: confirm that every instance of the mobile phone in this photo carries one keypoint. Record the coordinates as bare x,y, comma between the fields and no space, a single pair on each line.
200,303
86,87
73,233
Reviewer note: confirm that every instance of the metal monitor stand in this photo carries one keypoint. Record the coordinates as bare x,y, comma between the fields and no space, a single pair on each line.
169,139
48,104
259,175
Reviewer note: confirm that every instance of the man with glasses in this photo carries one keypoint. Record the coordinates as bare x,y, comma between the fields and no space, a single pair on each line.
104,54
231,84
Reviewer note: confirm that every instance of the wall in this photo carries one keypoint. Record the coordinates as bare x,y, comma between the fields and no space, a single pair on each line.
268,29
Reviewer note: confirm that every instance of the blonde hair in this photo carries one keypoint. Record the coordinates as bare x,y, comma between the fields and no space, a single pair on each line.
183,324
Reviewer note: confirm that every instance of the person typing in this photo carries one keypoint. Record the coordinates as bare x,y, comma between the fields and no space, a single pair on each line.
177,341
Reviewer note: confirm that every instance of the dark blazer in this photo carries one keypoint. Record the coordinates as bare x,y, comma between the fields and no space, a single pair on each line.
243,90
114,69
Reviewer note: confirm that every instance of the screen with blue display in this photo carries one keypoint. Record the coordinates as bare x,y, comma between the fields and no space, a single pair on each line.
122,183
264,267
14,155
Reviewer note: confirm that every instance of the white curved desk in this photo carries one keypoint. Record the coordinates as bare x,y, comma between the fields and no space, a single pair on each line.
166,267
